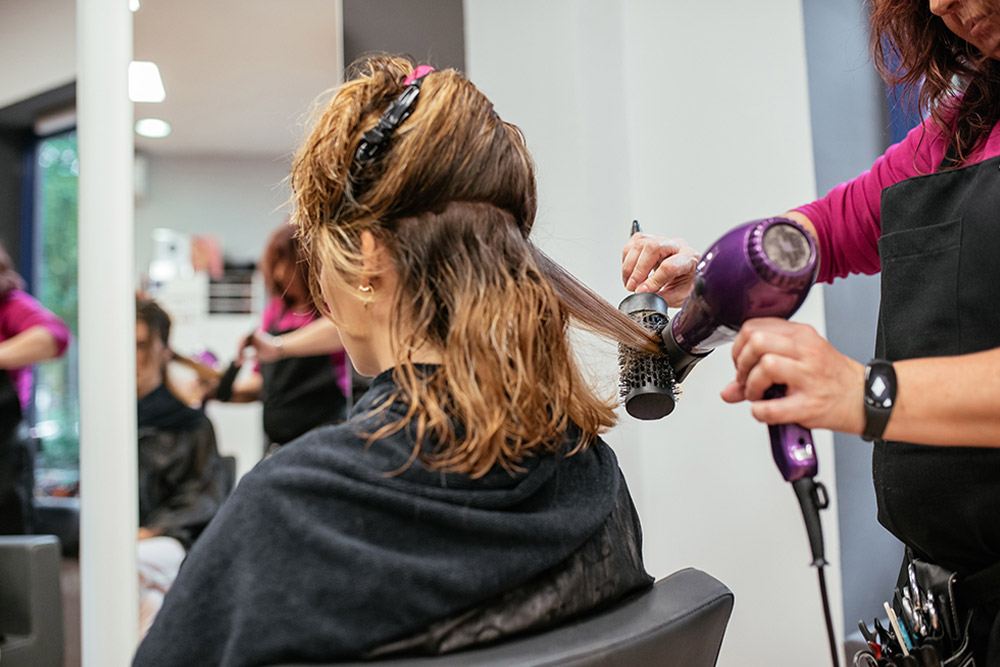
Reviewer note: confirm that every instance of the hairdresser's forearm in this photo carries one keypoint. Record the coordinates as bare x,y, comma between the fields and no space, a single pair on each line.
247,389
318,337
802,220
948,400
29,346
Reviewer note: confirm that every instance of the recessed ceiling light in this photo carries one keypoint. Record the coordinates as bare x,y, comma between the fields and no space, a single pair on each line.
144,83
152,127
133,5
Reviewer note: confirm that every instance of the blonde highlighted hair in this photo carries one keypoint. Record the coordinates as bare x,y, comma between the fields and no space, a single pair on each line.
453,200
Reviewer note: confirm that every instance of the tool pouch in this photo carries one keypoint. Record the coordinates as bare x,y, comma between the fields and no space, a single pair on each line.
938,618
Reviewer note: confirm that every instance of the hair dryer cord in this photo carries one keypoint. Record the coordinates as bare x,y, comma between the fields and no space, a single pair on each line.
813,498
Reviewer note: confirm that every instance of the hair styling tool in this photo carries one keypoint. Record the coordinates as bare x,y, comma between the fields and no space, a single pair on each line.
762,268
224,390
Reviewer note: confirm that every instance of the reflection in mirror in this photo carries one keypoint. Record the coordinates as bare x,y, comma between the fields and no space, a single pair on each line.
239,78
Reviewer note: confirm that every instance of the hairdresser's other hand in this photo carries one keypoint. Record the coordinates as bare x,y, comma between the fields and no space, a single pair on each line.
264,345
824,387
149,533
659,264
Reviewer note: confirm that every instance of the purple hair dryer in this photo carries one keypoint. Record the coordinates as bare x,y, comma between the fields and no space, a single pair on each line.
763,268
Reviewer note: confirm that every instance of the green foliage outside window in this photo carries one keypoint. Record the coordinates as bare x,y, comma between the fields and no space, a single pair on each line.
57,406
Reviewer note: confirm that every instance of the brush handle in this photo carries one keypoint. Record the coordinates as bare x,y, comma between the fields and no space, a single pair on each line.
224,390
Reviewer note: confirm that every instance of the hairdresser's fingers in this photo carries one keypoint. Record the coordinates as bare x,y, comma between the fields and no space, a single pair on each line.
824,395
733,392
263,343
772,369
672,279
774,351
784,410
760,337
246,343
642,254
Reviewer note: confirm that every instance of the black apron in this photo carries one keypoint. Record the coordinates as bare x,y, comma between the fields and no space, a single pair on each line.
940,255
16,463
299,394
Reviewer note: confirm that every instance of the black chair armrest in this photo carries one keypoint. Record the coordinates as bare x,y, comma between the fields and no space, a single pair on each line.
31,619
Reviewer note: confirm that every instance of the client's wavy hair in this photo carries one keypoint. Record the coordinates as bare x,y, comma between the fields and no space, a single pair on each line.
453,200
914,48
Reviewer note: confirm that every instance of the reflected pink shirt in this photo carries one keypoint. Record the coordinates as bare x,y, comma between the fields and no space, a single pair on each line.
848,219
19,311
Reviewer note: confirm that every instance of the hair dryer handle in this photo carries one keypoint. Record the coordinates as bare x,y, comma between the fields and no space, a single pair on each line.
791,445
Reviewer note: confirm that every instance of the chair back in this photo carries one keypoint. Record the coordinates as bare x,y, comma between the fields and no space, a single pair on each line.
679,622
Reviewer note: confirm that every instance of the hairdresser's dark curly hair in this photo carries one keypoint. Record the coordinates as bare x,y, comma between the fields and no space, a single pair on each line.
914,48
9,278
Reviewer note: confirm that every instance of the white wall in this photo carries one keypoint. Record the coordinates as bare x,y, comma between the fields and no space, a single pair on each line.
239,199
37,47
692,118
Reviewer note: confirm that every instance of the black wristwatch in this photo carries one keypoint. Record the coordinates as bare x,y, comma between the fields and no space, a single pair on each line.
880,397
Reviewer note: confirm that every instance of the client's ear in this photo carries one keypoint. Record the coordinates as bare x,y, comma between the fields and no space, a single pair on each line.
372,256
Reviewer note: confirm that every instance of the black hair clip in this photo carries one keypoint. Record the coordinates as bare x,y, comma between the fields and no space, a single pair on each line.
375,139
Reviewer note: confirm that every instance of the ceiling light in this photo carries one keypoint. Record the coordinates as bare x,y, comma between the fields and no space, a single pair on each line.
133,5
152,127
144,83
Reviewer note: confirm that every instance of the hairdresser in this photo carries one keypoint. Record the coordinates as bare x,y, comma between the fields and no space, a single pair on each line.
29,333
469,495
302,375
181,479
927,215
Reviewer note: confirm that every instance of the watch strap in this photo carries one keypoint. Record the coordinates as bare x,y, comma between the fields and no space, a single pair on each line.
879,397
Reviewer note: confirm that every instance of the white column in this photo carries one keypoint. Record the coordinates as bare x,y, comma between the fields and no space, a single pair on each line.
109,582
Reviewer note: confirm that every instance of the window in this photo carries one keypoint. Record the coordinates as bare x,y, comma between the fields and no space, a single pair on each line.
56,409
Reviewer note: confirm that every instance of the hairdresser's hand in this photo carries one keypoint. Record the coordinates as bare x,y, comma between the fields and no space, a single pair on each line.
149,533
267,347
661,265
824,387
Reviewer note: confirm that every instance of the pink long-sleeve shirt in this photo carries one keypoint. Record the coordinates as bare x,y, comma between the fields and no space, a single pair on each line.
848,219
19,311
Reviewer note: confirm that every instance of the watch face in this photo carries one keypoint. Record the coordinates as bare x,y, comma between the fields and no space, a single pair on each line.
880,385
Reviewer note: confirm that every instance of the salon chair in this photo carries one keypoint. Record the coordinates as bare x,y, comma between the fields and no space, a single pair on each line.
31,619
679,622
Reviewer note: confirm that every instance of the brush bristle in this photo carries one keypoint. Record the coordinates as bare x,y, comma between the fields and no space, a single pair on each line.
647,384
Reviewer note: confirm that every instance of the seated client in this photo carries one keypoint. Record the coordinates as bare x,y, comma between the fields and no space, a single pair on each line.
469,495
181,479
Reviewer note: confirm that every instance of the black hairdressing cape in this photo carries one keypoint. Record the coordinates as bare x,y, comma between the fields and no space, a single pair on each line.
319,555
181,479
